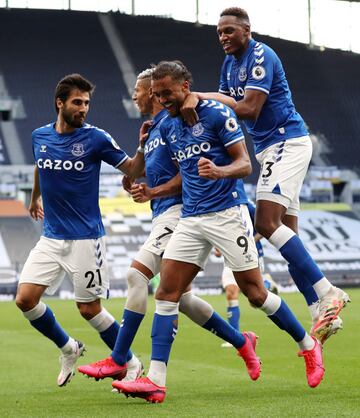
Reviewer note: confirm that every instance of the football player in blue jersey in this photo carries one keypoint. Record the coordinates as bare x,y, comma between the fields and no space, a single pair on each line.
212,156
163,190
253,75
68,156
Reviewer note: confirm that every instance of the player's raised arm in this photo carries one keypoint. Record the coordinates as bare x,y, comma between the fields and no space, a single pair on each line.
134,167
250,107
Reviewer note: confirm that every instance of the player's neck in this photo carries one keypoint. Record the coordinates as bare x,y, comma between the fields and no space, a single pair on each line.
157,108
61,127
241,51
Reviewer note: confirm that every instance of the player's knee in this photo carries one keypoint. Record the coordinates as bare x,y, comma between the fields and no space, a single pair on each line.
166,293
137,291
25,302
232,292
256,297
89,310
266,226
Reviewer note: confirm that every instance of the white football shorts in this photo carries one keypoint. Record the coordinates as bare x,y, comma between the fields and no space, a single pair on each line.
163,227
230,231
227,278
84,260
283,169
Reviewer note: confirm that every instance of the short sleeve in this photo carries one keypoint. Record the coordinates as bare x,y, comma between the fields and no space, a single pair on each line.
226,125
108,149
261,68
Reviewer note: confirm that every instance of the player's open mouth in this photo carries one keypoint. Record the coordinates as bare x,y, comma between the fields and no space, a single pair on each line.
168,106
226,45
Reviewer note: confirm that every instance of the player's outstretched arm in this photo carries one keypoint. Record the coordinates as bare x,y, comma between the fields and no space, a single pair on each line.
239,168
134,167
250,106
35,207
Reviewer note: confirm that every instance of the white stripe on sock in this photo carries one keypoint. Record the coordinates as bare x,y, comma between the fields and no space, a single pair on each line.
157,372
281,236
102,321
35,312
272,304
164,307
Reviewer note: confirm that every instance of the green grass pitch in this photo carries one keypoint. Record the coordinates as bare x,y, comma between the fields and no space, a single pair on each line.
204,380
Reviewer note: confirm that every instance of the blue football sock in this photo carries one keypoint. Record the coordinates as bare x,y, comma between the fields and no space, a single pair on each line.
110,334
297,256
48,326
129,325
222,329
233,315
163,333
287,321
303,285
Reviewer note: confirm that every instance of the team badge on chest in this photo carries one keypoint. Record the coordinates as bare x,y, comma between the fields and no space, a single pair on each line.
197,129
242,74
77,150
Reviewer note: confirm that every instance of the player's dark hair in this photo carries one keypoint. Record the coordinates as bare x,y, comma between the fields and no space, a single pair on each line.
175,69
71,82
241,14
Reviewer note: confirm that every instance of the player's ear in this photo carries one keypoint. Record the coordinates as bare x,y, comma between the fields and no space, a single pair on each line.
186,85
59,103
247,29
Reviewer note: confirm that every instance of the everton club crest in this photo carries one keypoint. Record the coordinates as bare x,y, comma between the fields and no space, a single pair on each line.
77,150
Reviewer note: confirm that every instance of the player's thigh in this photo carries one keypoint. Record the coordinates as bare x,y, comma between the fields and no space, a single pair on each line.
188,243
175,279
153,248
43,265
231,231
162,229
283,169
87,267
147,263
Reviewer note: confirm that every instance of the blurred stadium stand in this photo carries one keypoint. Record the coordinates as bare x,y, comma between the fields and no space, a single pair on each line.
110,49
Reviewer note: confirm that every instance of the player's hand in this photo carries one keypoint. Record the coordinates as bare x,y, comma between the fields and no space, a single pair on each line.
127,182
208,169
143,134
140,193
188,111
36,210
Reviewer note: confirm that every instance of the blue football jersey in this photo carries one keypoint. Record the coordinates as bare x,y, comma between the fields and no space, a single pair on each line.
252,208
69,169
259,68
159,166
216,130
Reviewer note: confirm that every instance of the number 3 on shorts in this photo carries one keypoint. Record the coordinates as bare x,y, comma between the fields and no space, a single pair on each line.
268,173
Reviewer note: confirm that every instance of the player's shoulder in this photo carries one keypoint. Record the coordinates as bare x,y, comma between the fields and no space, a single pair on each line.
46,129
167,122
95,132
261,51
213,108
